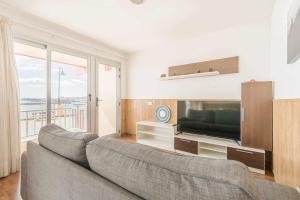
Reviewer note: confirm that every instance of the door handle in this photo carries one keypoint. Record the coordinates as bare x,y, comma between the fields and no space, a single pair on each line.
97,100
243,151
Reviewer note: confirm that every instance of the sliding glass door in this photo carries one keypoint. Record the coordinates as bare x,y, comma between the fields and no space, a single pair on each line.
69,91
31,62
61,86
53,88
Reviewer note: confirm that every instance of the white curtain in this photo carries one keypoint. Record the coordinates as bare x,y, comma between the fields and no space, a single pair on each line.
9,103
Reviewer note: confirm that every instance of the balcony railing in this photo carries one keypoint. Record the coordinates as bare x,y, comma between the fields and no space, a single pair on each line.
32,120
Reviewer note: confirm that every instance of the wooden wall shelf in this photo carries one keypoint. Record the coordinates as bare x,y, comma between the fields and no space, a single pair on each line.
214,73
222,66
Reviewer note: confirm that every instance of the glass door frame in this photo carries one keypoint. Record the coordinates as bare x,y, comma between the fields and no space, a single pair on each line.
117,65
42,47
50,48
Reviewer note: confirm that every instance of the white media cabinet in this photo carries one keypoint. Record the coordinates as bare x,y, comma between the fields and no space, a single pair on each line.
156,134
163,136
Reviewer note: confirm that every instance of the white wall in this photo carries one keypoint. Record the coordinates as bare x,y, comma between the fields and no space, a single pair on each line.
286,76
251,42
29,27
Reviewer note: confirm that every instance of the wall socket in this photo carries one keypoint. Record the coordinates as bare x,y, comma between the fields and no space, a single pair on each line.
298,188
149,103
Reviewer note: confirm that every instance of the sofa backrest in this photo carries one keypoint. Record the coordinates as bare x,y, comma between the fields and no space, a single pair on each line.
71,145
50,176
156,174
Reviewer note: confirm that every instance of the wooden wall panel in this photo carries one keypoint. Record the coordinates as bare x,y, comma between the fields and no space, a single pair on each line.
135,110
286,142
123,116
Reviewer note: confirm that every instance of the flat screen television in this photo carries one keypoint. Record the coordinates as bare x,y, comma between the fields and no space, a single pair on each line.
212,118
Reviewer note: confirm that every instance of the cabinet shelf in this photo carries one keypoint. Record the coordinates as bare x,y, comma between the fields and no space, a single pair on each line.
156,134
212,154
155,124
156,143
213,147
162,134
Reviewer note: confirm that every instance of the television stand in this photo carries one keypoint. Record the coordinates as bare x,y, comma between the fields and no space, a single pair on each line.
156,134
163,136
219,148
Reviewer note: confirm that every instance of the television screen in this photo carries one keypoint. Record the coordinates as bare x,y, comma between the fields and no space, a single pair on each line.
212,118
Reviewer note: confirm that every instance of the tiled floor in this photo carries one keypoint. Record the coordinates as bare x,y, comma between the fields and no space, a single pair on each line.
10,186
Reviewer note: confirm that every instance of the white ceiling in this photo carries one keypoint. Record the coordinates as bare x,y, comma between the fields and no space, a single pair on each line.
130,27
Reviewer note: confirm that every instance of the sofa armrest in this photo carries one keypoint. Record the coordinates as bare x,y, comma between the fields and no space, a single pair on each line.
24,176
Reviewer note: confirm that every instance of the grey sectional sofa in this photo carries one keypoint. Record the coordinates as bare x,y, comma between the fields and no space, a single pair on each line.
77,166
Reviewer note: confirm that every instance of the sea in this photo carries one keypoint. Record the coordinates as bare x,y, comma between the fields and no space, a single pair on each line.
27,105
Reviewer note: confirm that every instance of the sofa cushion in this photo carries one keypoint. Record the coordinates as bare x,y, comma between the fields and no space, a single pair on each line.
71,145
155,174
273,191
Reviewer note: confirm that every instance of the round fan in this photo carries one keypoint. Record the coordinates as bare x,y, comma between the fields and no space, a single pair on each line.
163,113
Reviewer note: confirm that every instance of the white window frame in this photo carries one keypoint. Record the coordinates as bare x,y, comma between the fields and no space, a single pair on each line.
50,48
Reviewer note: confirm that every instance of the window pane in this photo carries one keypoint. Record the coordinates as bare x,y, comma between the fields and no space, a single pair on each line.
32,69
69,91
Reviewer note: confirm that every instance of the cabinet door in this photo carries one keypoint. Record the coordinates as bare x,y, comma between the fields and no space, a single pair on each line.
186,145
249,158
257,112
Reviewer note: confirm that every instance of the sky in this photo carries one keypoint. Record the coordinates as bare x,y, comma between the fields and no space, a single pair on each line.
32,74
